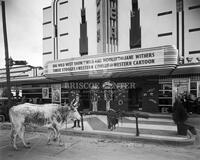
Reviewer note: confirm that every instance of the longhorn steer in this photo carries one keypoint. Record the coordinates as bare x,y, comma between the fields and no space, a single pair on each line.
52,116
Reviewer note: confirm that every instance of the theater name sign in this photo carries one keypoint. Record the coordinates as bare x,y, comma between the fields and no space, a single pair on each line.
112,61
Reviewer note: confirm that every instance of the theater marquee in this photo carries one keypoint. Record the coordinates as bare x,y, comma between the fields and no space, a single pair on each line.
108,62
139,60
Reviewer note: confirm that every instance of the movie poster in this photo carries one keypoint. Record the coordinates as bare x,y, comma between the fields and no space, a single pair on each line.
45,93
56,93
1,92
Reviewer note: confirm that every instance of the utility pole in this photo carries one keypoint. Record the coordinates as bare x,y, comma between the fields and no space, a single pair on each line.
6,55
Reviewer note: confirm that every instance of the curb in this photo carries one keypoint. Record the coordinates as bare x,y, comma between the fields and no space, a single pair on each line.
102,135
129,138
162,116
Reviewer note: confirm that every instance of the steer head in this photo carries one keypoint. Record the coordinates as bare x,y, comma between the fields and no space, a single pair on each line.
69,113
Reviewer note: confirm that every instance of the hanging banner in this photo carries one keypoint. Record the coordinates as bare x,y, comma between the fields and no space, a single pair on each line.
56,93
45,93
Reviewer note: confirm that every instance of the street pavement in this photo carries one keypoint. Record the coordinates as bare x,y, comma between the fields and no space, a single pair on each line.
194,120
84,148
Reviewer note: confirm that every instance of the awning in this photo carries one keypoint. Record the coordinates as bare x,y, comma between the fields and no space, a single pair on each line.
187,69
29,80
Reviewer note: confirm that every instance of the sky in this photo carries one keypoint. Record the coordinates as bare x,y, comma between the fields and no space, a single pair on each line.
24,30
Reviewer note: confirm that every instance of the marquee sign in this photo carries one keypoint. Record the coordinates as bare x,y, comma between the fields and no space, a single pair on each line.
107,62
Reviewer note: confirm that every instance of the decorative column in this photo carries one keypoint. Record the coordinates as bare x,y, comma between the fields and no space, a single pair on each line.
135,30
83,41
108,97
94,97
108,93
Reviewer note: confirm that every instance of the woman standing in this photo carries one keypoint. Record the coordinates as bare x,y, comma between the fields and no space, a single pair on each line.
75,104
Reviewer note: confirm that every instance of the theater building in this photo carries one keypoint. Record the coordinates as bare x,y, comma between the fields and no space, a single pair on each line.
127,55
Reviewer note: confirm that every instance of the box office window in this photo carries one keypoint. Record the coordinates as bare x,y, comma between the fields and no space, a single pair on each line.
165,96
195,88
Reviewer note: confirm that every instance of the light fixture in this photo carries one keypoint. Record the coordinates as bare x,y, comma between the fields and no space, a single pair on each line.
198,59
189,59
181,60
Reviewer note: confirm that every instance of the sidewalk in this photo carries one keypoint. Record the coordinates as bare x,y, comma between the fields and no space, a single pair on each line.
157,129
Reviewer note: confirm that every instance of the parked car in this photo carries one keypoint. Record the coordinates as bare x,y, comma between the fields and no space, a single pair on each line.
197,103
3,110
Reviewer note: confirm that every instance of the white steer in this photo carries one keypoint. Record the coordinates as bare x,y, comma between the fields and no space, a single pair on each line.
53,116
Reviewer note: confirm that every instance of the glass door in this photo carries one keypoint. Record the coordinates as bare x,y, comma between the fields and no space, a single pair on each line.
165,96
180,87
198,89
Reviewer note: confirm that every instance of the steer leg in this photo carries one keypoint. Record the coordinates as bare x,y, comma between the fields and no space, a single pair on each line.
14,141
21,135
12,132
51,134
55,129
14,135
60,140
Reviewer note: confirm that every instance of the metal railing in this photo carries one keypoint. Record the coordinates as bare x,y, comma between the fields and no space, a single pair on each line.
136,114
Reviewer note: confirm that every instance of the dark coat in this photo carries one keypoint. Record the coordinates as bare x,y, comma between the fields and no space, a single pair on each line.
179,112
